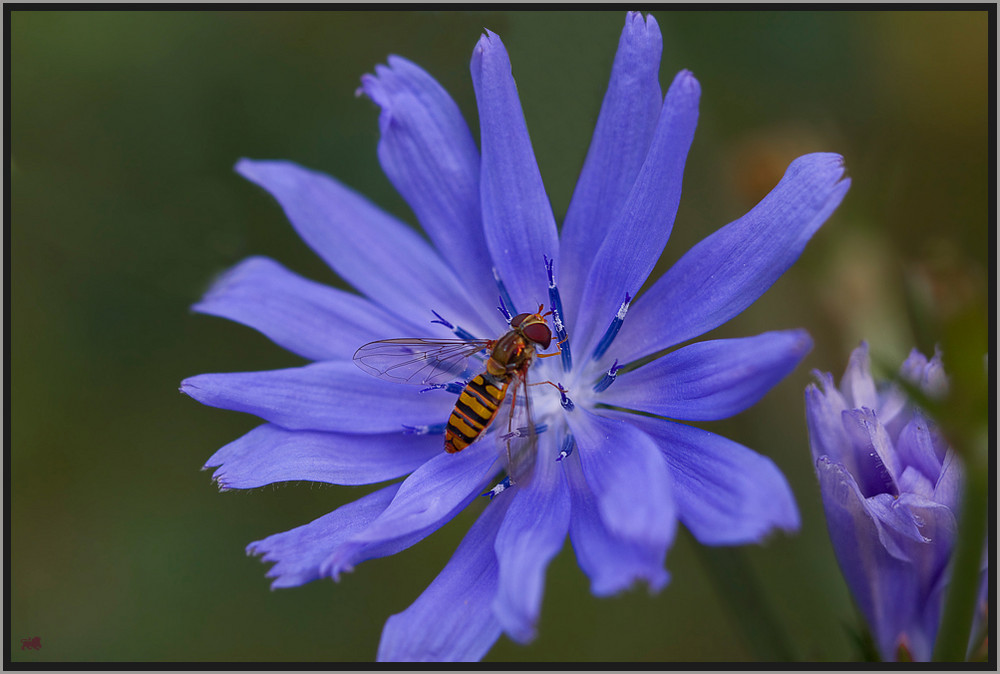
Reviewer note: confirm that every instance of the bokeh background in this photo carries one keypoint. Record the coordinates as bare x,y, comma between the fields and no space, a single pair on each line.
124,206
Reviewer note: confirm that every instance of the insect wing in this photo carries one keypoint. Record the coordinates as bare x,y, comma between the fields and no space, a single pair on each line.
517,434
421,361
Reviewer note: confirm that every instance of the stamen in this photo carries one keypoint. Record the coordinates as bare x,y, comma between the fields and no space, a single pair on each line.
505,300
433,429
556,303
500,486
564,399
503,310
524,431
459,331
455,387
612,331
462,333
608,379
569,442
441,321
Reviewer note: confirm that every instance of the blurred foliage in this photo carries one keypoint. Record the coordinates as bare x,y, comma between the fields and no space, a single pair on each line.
124,129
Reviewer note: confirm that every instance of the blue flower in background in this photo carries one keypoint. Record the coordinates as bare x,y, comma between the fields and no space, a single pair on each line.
616,482
891,490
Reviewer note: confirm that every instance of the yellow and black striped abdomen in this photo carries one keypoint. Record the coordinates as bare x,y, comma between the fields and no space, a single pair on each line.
476,406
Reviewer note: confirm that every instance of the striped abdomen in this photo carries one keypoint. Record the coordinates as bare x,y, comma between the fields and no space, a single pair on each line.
477,405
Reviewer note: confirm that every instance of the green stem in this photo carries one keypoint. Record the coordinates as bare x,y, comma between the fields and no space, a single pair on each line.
960,604
738,586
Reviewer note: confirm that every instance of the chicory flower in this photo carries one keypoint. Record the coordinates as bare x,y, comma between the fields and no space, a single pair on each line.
891,489
614,481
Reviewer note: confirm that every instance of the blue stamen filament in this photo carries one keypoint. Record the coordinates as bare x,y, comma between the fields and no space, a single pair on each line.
505,301
608,379
433,429
455,387
569,442
523,431
502,308
459,331
555,302
612,331
564,399
500,486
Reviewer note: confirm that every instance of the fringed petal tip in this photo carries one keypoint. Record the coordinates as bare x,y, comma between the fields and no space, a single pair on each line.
487,38
246,167
639,25
929,375
189,387
839,482
824,379
489,48
370,88
822,164
642,33
335,565
218,476
686,84
231,277
652,578
274,573
380,86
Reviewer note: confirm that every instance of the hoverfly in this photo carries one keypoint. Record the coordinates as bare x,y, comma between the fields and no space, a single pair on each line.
500,362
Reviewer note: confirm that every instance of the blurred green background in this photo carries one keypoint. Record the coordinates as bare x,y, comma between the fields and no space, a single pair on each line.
124,129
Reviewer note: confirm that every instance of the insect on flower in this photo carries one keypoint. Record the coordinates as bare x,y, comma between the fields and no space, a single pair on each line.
434,361
613,463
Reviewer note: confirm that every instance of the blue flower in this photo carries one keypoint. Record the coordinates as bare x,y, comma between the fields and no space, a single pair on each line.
615,481
891,488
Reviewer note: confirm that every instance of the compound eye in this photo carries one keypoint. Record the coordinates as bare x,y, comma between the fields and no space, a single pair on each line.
539,333
517,320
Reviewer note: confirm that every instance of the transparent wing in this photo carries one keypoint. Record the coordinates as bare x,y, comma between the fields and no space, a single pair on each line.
422,361
517,435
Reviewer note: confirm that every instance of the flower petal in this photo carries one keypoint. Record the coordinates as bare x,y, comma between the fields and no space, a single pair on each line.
612,563
930,552
938,530
517,216
827,436
429,155
621,139
530,536
727,271
451,620
427,499
300,552
269,454
726,494
884,587
857,384
876,461
640,231
928,375
951,482
373,251
920,444
307,318
329,396
912,480
711,380
631,486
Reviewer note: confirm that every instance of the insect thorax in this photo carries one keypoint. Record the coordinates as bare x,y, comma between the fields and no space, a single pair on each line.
510,353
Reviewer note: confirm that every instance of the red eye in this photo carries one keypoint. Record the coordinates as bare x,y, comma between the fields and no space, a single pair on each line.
517,320
539,333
